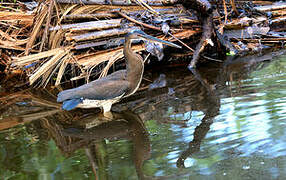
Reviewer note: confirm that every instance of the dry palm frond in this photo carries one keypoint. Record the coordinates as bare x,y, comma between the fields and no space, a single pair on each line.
48,22
38,24
10,17
87,9
56,38
62,70
101,57
49,65
48,75
13,43
61,65
109,64
25,60
68,10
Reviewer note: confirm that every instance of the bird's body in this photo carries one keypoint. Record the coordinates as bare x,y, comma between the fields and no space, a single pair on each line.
110,89
99,93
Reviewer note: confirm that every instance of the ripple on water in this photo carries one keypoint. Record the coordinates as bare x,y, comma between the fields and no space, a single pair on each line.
251,123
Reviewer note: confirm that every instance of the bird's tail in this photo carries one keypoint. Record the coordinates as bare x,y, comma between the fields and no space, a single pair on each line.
71,104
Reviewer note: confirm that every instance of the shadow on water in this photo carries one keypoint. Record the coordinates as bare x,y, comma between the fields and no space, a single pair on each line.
172,100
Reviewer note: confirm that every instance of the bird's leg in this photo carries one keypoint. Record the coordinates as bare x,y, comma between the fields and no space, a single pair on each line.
108,115
106,110
101,109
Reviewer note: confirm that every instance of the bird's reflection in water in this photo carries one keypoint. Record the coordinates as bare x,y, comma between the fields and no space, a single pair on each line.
91,132
78,129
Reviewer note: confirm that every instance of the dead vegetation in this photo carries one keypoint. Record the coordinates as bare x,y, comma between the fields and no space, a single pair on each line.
56,40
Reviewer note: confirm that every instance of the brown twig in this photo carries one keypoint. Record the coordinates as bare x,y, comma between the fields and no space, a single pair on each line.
234,7
225,11
48,22
138,22
181,42
151,27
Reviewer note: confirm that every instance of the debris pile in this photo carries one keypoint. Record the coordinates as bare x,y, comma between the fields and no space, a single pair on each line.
62,40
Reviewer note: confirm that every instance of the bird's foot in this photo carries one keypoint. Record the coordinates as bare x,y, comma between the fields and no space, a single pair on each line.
108,115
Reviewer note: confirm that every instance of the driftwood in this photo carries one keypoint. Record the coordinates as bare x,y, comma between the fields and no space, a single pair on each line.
91,25
271,7
99,34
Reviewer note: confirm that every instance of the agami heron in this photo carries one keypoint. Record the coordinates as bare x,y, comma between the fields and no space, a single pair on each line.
108,90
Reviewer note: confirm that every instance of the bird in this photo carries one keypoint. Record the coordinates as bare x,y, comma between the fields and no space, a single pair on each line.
108,90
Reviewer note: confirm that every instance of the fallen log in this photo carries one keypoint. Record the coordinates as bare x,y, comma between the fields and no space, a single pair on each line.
271,7
91,25
99,34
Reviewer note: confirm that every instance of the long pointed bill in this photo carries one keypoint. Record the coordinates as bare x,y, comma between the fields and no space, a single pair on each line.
151,38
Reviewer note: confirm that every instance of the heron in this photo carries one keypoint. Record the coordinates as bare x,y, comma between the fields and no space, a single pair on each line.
108,90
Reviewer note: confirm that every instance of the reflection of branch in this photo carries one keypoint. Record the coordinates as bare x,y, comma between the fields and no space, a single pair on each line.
37,108
194,145
12,99
204,127
21,96
91,160
12,121
198,77
46,103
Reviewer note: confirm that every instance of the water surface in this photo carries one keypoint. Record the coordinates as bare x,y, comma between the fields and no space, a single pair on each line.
223,122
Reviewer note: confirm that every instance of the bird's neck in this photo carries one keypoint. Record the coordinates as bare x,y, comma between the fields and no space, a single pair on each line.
128,54
134,66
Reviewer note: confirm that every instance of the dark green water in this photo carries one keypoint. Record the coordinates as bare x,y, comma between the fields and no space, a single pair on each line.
226,122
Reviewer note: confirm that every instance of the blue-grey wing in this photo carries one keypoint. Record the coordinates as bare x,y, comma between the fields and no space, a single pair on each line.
117,75
97,90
